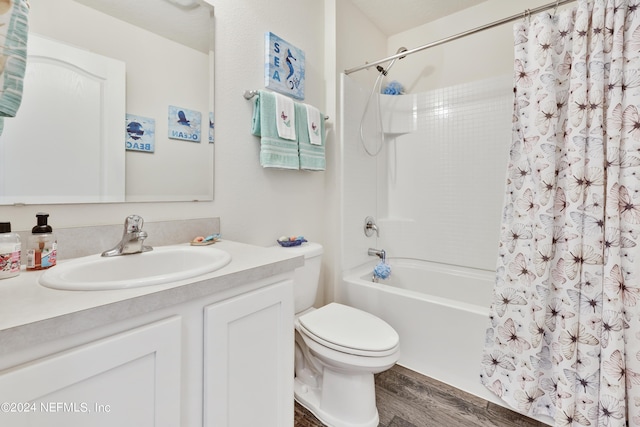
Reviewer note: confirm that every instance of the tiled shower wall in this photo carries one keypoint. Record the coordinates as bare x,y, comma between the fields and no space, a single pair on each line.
438,185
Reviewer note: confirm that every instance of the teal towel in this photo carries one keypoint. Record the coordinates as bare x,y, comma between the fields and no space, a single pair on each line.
275,152
312,157
14,31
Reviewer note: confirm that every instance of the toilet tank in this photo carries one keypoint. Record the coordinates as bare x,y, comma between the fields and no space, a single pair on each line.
306,278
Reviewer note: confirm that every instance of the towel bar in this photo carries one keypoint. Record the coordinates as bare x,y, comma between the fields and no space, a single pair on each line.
248,94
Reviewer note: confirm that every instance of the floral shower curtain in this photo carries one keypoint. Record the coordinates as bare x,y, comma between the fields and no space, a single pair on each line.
564,335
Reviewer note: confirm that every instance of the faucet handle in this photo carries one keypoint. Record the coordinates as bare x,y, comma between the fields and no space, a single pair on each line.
133,224
370,227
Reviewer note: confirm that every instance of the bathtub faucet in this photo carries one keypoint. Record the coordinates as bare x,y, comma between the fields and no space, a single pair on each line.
379,253
370,227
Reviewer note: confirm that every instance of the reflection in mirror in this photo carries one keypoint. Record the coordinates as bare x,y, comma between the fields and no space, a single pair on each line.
167,50
76,96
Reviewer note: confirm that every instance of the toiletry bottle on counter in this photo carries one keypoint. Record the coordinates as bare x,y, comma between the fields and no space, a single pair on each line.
42,250
9,251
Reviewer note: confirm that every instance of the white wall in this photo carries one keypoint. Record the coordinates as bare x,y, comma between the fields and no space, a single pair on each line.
258,205
255,205
475,57
357,40
445,168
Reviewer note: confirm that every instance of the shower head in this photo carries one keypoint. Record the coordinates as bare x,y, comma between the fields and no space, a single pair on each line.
384,71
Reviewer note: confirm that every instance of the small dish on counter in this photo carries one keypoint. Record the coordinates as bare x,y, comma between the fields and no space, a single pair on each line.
204,241
291,241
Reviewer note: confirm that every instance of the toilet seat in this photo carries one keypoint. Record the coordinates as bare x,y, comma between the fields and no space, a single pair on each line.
349,330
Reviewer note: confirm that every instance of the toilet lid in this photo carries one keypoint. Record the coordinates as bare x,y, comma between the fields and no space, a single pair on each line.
350,328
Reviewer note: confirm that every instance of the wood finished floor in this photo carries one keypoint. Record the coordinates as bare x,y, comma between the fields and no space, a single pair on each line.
408,399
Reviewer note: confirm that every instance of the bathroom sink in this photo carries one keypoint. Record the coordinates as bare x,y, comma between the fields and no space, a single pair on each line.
163,264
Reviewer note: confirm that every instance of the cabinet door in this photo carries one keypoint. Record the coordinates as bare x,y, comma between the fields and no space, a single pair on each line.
128,379
248,359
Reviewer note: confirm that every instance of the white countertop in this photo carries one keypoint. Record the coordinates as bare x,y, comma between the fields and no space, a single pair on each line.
27,308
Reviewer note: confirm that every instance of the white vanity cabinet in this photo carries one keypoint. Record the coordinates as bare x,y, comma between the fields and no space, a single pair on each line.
127,379
248,359
215,359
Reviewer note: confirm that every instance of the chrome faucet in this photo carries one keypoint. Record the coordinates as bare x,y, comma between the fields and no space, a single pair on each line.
132,238
380,253
370,227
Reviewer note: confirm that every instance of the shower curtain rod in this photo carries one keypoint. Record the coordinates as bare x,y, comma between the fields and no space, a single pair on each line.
525,14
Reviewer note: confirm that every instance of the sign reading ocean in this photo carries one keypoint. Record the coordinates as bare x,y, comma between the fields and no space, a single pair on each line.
284,67
184,124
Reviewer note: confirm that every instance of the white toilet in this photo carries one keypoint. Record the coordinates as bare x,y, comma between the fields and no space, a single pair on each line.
338,350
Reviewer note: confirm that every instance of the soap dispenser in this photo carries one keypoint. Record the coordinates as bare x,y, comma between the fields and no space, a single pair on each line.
9,251
42,251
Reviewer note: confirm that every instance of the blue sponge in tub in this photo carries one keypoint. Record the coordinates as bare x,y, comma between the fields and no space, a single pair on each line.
382,270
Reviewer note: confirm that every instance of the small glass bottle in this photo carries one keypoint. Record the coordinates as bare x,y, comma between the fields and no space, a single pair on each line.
9,251
42,252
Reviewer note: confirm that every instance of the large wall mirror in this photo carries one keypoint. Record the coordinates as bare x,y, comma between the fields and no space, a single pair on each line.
94,68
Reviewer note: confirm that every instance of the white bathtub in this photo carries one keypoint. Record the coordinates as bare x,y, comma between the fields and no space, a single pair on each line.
441,313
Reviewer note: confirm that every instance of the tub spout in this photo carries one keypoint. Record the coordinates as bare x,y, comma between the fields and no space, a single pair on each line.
380,253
